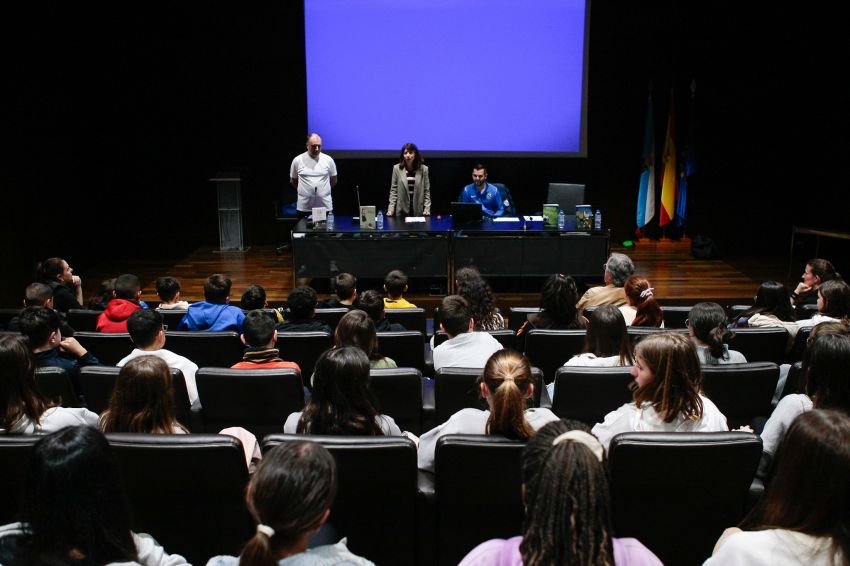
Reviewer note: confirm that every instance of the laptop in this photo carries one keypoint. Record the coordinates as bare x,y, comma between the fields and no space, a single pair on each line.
466,213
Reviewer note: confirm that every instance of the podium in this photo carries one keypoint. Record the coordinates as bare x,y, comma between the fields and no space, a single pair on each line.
229,192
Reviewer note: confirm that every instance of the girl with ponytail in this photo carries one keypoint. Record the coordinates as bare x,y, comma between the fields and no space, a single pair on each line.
505,385
707,326
643,309
567,507
290,498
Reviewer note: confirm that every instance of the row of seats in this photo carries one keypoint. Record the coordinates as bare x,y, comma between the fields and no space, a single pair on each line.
260,400
188,491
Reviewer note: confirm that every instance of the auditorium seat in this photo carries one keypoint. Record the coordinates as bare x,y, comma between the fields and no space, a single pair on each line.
258,400
742,392
172,317
796,380
409,318
7,314
14,462
206,349
636,333
187,491
399,395
406,348
677,492
109,348
517,316
56,385
474,494
587,394
760,344
457,388
676,316
375,505
806,311
97,383
303,348
331,316
550,349
84,320
798,348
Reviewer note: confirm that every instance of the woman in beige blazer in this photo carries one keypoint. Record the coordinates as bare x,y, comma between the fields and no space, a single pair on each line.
404,200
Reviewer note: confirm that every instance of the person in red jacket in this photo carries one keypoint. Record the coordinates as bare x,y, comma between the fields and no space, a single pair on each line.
128,289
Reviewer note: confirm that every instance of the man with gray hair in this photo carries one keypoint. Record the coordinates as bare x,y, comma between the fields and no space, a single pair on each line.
618,268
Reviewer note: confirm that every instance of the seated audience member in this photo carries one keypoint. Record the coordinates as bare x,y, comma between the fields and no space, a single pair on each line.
372,304
142,400
128,290
483,193
357,329
290,498
168,290
772,309
505,384
833,304
818,271
301,317
395,286
148,334
105,293
254,298
345,287
475,289
465,348
24,409
666,391
67,287
707,327
43,329
618,268
75,509
557,307
214,313
35,295
606,343
260,337
802,517
643,309
567,507
826,362
341,403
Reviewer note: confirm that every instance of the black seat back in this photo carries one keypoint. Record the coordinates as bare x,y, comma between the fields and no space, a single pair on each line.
206,349
14,463
56,385
407,349
676,316
108,347
399,395
550,349
258,400
587,394
673,474
331,316
375,505
473,502
761,344
187,491
172,317
410,319
637,333
84,320
303,348
742,392
517,316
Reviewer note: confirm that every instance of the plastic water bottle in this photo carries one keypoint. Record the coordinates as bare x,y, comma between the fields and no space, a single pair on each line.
331,220
597,220
562,219
379,221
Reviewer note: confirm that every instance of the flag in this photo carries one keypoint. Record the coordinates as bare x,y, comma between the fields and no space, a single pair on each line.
669,180
688,163
646,190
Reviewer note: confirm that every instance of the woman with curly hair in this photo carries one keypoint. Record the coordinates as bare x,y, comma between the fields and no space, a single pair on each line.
475,289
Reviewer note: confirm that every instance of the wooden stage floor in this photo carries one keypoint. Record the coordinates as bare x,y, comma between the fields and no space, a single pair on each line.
677,277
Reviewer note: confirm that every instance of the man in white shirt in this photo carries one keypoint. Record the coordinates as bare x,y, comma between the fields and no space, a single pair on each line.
464,348
148,334
313,175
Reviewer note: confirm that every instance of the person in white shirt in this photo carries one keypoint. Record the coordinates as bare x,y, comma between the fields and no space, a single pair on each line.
313,175
465,348
148,334
666,392
505,384
707,327
75,510
833,304
802,517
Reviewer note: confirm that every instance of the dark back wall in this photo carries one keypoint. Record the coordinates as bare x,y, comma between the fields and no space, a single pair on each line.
119,118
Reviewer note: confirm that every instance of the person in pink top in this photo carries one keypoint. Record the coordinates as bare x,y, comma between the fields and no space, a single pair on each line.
567,507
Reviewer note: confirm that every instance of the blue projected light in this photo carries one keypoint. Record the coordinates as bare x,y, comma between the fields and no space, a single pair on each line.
457,77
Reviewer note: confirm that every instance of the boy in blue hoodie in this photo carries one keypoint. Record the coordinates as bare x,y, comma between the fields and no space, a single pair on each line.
214,313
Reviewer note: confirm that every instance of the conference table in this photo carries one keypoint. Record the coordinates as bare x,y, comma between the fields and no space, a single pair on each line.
508,247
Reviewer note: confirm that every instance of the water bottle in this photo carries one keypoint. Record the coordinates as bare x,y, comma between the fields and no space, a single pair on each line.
562,219
597,220
379,221
331,220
